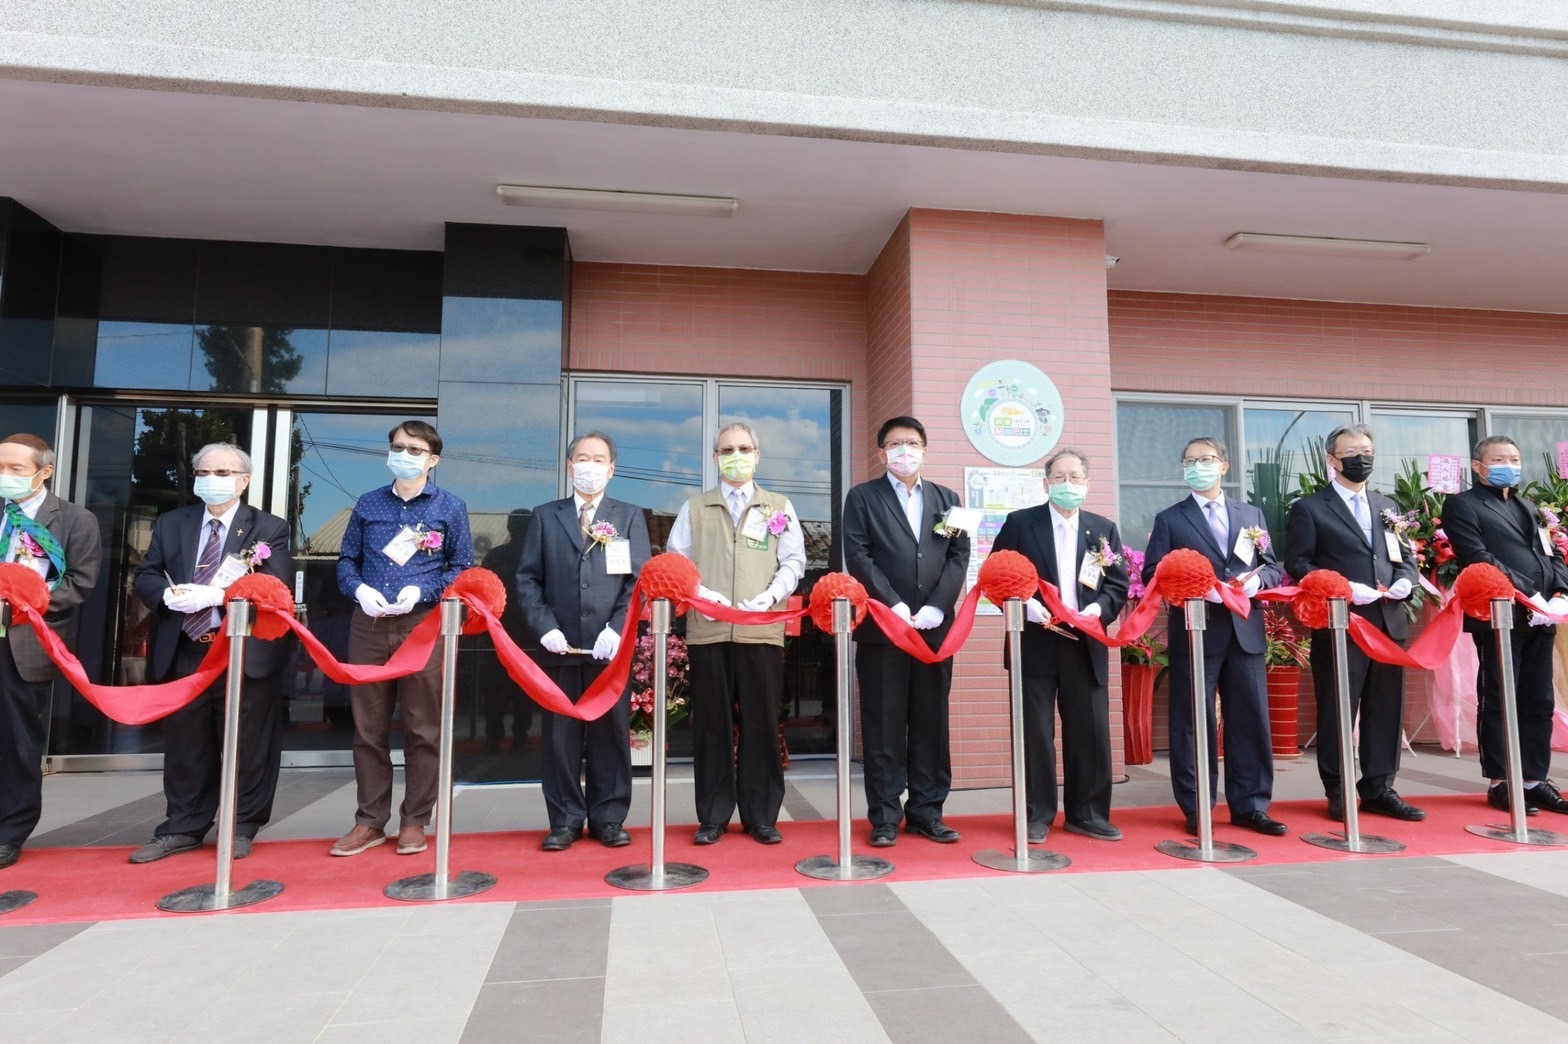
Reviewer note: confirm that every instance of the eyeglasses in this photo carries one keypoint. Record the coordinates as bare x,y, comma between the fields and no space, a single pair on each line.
1077,480
217,472
412,451
725,451
907,444
1353,453
1188,462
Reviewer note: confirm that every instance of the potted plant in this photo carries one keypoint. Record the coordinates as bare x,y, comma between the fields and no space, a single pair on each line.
677,668
1285,655
1142,662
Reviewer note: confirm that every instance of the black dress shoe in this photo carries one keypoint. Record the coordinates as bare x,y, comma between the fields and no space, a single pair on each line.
560,839
1546,795
709,833
884,836
1497,797
1336,808
1192,823
1392,805
765,835
934,830
612,835
1100,829
242,846
1260,822
165,845
1038,832
9,854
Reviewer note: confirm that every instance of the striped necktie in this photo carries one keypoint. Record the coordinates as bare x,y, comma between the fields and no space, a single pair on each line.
206,620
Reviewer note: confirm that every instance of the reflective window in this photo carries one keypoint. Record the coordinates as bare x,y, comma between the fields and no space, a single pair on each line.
378,363
1538,436
143,355
1283,444
658,433
500,340
1408,439
794,429
230,357
1149,440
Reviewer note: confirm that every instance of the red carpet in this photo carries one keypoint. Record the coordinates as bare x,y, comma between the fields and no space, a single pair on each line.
92,884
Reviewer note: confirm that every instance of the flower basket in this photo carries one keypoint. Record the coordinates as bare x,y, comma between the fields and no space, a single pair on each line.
642,747
1284,685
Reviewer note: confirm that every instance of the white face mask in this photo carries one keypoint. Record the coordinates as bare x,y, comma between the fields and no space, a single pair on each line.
904,461
215,489
17,487
589,477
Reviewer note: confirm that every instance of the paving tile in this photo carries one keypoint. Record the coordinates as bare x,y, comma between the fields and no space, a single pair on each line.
892,951
804,999
295,1017
448,968
713,1020
400,1031
942,1015
552,943
560,1011
851,898
30,940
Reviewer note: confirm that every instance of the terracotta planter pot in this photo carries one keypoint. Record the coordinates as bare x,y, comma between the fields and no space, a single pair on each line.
1138,712
1284,687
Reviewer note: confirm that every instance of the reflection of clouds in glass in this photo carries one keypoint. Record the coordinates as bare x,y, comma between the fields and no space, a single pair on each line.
794,430
491,339
366,362
657,430
343,457
502,443
143,355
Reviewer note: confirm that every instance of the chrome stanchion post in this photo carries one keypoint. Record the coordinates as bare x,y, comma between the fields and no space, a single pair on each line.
1517,831
423,888
657,875
1207,850
847,867
219,895
16,898
1021,860
1352,840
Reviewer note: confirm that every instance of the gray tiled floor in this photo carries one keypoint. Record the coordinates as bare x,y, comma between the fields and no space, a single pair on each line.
1462,948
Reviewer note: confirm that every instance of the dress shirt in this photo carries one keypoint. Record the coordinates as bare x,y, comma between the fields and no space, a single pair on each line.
1348,496
592,503
1065,528
912,500
378,517
792,542
29,508
225,522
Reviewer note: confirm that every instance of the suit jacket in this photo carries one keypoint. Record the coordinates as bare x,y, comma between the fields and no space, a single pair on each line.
1032,532
1321,533
1182,525
896,566
1481,527
174,551
76,529
560,585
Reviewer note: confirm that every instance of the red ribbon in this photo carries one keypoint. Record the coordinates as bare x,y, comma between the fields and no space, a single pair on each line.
908,640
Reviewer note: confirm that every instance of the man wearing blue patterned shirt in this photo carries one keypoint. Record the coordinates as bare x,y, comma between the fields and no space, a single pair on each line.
403,545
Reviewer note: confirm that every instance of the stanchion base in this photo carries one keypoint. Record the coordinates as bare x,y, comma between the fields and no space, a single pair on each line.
1218,852
202,898
1030,861
424,888
860,868
15,900
1532,835
1366,844
640,878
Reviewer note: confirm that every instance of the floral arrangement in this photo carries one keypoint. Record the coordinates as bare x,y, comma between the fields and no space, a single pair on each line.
1286,647
1551,496
1103,556
778,522
31,546
678,667
429,540
1150,650
602,533
1418,525
259,552
1259,537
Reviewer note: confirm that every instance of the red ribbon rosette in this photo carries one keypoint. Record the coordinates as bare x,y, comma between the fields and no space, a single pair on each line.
271,597
1183,574
1477,585
837,585
481,586
1008,574
1311,602
21,587
670,576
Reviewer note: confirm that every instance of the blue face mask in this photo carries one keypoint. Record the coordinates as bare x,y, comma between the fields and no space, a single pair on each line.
404,466
1501,475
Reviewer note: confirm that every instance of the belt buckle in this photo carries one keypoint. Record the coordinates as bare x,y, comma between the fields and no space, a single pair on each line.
208,638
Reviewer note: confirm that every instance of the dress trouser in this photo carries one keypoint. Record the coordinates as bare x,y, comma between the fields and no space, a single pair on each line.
22,733
903,707
603,744
750,775
1532,649
373,641
1249,755
1086,738
193,751
1377,706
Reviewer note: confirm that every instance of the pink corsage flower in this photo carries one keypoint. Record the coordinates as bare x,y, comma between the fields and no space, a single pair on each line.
778,522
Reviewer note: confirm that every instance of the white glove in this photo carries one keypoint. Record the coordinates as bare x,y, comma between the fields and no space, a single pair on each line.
406,600
1213,596
1361,594
1536,619
1539,601
902,612
760,604
180,600
370,601
1558,606
712,596
605,645
1093,610
1399,590
928,617
554,641
1035,611
1252,586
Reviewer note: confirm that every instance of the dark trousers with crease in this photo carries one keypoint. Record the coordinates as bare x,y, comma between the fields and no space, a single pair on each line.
1532,652
1086,739
598,751
22,733
1249,754
193,751
903,724
748,776
1377,707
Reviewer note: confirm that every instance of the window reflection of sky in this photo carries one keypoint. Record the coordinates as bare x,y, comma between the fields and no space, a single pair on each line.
794,427
1402,437
657,429
143,355
1300,431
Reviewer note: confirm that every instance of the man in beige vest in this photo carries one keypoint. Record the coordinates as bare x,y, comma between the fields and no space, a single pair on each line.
748,546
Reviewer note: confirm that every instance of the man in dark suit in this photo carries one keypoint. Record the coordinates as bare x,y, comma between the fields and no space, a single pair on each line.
1081,554
1342,528
60,541
580,560
897,544
1229,533
196,552
1490,522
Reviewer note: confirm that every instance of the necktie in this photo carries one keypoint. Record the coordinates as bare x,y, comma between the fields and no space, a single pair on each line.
200,623
737,505
1219,525
18,522
1359,503
584,520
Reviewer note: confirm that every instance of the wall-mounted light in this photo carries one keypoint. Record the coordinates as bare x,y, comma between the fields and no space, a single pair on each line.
1111,260
1326,246
611,199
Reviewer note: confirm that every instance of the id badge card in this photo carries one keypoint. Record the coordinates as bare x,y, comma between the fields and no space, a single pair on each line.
963,519
39,565
755,528
1089,573
1546,541
618,557
231,569
1394,554
402,547
1244,549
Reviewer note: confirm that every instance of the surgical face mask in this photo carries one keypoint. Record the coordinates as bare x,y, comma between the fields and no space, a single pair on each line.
17,487
589,477
405,465
1501,475
904,461
738,467
1200,476
214,489
1357,468
1067,495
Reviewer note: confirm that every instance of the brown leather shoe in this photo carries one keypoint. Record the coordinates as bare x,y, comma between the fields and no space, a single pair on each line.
411,840
357,840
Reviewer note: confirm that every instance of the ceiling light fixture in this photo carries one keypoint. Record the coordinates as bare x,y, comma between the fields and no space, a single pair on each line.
611,199
1326,246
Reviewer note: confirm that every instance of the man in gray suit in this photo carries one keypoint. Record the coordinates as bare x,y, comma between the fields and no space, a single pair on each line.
580,560
60,541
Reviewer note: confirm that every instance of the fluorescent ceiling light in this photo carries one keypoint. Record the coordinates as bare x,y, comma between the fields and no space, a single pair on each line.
1326,246
610,199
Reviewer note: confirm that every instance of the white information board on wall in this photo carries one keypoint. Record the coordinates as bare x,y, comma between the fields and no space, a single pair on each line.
996,492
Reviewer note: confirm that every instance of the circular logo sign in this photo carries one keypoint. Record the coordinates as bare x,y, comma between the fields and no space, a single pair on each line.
1012,413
